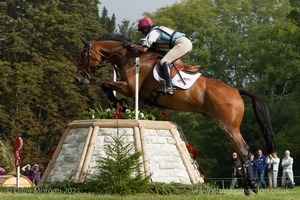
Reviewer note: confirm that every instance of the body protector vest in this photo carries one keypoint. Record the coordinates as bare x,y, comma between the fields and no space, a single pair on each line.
167,36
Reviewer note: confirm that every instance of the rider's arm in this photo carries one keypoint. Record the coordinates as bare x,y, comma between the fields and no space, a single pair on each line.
140,48
148,41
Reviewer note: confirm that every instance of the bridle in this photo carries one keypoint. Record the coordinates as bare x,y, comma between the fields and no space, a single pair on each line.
86,69
106,59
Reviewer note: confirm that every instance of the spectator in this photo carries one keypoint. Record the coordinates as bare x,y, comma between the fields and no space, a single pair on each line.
287,171
36,174
28,171
273,164
236,171
254,165
261,166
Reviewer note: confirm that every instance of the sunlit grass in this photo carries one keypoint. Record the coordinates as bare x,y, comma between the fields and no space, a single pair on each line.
237,194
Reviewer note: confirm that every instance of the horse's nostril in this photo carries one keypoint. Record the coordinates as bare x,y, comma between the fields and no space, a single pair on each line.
77,80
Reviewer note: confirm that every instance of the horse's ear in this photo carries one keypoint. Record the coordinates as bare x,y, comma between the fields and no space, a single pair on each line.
86,43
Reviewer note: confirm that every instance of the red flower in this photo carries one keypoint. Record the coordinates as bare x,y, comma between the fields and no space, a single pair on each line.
164,114
52,151
192,150
118,115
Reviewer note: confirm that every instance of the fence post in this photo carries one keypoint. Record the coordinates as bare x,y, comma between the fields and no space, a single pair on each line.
137,65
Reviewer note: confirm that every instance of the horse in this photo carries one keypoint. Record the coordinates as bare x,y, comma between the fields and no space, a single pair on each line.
207,96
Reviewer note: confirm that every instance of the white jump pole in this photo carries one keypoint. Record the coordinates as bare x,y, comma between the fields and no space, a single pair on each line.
137,69
115,79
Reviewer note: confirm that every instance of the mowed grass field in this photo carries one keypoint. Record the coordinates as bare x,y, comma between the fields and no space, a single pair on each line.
265,194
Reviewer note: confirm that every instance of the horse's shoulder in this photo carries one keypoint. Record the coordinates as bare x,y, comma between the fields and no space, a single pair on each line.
153,53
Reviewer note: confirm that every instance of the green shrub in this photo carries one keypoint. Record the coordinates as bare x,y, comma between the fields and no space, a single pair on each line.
6,155
120,169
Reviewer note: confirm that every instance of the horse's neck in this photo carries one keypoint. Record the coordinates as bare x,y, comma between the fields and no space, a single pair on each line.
147,63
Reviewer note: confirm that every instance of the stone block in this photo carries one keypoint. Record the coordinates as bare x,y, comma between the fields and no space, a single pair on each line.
167,166
163,133
173,159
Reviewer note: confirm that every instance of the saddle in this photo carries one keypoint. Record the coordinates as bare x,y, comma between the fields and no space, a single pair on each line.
179,65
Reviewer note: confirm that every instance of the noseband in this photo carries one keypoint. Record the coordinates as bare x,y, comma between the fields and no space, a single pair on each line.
86,69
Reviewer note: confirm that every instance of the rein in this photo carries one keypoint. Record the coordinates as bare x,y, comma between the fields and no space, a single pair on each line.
107,58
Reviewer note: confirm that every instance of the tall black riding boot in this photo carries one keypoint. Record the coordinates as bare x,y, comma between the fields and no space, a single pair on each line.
167,75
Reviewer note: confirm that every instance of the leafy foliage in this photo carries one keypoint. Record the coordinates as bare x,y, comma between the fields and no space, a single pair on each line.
6,156
100,113
248,44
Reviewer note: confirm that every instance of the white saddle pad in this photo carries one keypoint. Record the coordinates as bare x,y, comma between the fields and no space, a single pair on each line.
188,78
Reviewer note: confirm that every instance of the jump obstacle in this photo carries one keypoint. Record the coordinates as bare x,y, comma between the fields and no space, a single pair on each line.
164,153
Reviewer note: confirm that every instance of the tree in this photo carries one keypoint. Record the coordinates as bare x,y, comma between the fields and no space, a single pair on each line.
40,44
108,23
126,28
120,169
248,44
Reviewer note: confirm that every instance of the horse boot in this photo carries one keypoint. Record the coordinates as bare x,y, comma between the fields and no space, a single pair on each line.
250,178
167,75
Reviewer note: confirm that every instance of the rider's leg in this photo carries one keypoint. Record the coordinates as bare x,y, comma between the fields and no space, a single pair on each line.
167,75
182,46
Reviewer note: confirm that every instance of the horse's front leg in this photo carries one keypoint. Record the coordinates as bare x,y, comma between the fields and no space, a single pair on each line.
119,86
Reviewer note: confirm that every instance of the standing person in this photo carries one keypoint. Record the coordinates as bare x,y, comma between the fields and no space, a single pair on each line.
28,172
287,171
236,171
36,174
273,164
254,165
164,37
261,166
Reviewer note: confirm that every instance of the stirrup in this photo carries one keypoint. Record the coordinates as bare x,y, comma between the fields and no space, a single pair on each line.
166,90
170,90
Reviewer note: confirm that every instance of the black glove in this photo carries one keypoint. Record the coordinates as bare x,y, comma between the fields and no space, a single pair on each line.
128,44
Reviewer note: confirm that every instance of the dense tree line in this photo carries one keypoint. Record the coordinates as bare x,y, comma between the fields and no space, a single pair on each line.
40,46
250,44
247,44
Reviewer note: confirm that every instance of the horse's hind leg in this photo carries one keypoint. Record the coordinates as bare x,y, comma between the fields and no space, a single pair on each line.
242,150
229,119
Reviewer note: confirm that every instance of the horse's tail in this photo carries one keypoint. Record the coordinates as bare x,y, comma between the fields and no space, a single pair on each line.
263,118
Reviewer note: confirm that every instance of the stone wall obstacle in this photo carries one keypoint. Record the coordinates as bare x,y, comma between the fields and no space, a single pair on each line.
165,155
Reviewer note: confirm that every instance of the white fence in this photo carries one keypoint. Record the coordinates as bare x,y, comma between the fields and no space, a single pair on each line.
224,183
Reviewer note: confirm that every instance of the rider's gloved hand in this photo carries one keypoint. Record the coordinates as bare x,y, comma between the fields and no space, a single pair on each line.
128,44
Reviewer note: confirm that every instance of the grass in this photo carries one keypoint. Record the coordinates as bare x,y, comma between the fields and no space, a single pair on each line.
267,194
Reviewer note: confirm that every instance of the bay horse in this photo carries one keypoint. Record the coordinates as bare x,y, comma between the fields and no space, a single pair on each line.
207,96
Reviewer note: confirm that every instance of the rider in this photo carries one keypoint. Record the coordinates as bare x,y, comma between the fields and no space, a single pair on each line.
163,37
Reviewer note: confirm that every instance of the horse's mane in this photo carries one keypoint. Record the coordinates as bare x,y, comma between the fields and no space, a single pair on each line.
125,38
115,37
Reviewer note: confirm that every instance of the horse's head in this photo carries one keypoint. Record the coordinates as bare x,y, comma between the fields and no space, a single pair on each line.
90,61
107,50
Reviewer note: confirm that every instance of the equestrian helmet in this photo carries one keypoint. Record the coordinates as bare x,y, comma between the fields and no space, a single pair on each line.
145,22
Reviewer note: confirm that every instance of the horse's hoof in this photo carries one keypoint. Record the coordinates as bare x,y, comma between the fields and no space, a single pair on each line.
254,187
255,190
247,192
